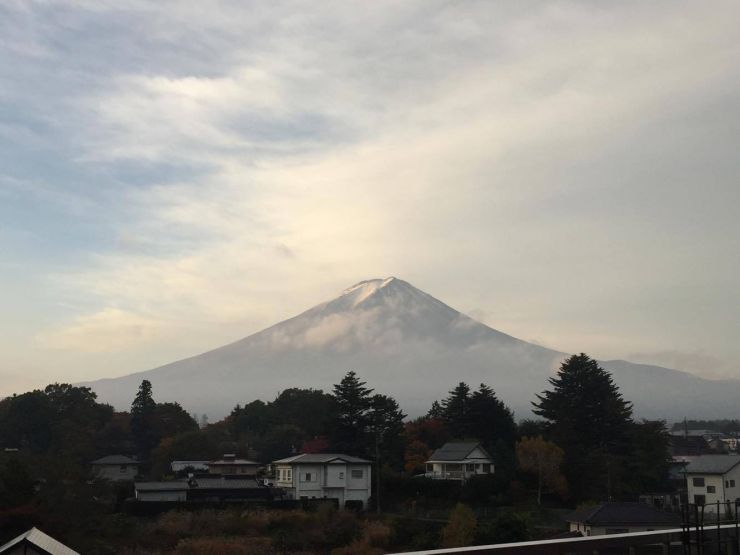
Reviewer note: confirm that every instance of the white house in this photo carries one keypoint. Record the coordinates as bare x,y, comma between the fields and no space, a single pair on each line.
713,478
35,542
621,518
325,476
459,460
115,468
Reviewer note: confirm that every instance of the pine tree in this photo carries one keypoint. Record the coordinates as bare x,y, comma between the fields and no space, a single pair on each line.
455,411
588,418
489,419
386,429
351,403
142,418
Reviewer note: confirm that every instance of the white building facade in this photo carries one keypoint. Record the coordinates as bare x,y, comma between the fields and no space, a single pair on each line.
459,460
325,476
712,479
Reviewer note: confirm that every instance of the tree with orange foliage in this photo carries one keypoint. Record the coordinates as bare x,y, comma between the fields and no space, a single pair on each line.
543,458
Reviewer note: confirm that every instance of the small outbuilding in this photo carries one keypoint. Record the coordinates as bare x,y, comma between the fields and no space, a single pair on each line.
621,518
116,468
35,542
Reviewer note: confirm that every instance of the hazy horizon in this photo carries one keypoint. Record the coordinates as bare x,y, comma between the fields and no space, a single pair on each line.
177,176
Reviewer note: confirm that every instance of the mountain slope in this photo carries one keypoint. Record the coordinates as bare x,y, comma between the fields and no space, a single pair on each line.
405,343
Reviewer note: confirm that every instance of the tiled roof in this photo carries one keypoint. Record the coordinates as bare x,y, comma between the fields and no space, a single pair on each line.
456,451
321,458
161,486
197,483
713,464
232,462
38,539
116,459
608,514
218,483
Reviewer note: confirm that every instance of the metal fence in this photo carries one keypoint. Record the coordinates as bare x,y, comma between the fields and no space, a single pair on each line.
706,530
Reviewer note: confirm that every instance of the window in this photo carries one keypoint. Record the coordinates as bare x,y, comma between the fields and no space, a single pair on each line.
124,468
700,499
307,477
357,474
341,475
470,467
732,483
711,489
698,482
487,468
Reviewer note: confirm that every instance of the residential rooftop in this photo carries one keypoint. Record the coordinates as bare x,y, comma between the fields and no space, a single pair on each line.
713,464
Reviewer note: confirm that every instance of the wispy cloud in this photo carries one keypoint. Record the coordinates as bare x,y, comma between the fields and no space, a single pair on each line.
241,162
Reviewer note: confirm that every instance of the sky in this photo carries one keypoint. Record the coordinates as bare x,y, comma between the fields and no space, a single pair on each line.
175,175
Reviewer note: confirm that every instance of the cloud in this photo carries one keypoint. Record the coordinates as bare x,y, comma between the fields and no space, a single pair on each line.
245,162
697,362
107,331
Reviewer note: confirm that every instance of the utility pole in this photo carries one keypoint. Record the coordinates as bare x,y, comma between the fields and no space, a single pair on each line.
377,471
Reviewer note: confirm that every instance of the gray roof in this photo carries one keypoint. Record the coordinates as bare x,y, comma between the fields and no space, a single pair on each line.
457,451
116,459
608,514
197,483
232,461
713,464
219,483
161,486
38,539
320,458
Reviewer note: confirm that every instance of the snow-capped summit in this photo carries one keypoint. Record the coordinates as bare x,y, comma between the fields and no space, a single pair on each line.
406,343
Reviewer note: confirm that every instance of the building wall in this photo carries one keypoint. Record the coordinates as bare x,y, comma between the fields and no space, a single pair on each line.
723,490
115,472
333,481
161,495
24,548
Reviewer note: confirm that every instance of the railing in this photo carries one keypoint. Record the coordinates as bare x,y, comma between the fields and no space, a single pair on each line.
685,541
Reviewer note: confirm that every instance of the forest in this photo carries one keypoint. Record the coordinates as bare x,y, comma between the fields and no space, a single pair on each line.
584,446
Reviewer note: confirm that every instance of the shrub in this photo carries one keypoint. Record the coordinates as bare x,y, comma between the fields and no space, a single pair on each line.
219,546
460,530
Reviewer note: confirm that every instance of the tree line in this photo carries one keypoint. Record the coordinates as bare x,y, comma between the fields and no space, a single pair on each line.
586,445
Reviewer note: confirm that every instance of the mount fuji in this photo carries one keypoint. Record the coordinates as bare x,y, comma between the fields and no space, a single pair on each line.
407,344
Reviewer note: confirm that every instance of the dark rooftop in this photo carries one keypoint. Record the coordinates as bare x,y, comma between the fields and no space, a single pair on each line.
612,513
713,464
321,458
456,451
116,459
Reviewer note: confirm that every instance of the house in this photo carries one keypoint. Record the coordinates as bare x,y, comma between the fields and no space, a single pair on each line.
211,490
115,468
169,491
230,465
713,478
35,542
325,476
459,460
621,518
181,466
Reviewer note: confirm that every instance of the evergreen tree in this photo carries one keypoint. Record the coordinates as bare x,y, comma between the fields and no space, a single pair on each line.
142,419
351,403
490,420
588,418
386,429
456,413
